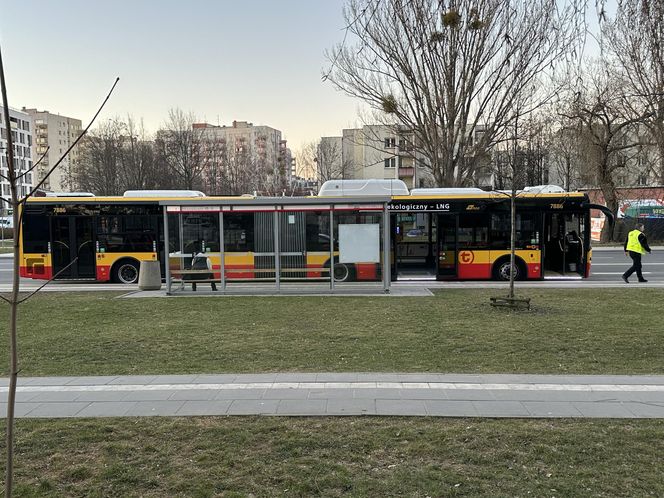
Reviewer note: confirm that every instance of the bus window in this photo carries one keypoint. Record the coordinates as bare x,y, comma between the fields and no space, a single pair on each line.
35,233
318,232
239,232
473,231
526,230
126,233
200,232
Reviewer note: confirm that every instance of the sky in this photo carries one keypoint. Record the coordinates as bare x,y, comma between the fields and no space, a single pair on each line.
249,60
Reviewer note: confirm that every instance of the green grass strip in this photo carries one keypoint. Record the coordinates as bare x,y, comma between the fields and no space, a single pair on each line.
244,456
608,331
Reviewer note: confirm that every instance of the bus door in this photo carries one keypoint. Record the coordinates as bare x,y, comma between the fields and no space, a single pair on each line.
564,245
73,247
414,245
447,247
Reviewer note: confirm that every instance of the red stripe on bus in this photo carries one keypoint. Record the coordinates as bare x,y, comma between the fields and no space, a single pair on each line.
534,270
475,271
103,273
40,272
366,271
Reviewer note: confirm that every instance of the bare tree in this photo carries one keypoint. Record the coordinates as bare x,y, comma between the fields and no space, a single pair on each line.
100,159
217,160
563,144
448,68
330,160
179,146
17,200
138,166
117,156
608,127
636,38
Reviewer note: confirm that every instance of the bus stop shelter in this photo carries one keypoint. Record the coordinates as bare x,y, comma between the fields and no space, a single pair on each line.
276,244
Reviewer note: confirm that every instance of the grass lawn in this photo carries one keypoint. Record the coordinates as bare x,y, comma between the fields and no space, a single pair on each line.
581,331
568,331
247,456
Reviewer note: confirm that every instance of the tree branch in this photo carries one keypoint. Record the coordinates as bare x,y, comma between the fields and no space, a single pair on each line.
78,139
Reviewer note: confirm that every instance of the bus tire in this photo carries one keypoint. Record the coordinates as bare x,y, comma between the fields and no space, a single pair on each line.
343,273
501,269
125,271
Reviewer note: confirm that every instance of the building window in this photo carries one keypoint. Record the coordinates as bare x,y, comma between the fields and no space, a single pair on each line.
391,162
390,142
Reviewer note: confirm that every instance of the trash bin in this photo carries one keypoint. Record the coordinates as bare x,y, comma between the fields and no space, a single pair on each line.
149,276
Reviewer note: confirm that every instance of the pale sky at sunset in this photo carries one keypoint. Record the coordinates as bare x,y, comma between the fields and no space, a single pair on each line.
249,60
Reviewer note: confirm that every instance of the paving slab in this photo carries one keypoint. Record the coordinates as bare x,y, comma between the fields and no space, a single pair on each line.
349,406
195,395
331,393
175,379
44,397
148,395
107,409
22,409
199,408
155,408
421,393
57,410
501,409
645,410
91,381
240,394
400,407
603,410
447,408
345,393
286,394
253,407
302,407
215,378
551,409
108,396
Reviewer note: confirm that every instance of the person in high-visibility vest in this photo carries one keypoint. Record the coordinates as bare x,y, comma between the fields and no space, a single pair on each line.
635,246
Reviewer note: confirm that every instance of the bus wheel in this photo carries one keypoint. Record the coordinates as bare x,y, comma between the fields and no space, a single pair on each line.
501,270
125,272
342,273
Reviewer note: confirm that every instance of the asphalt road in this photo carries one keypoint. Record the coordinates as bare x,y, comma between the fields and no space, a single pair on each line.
607,267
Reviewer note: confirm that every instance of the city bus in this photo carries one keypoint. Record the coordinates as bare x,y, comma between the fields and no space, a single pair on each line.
435,234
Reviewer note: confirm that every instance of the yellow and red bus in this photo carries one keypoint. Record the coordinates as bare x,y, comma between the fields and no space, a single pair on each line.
435,234
464,234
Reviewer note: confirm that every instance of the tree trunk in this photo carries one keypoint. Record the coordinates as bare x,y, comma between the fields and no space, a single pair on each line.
13,300
512,238
608,188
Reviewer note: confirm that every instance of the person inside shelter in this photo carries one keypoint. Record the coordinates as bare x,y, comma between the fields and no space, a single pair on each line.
200,261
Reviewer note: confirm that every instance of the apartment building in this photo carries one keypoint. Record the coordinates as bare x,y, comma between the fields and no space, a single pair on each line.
55,133
21,129
260,146
373,151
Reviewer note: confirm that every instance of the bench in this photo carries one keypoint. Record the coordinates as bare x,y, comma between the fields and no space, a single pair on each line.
177,275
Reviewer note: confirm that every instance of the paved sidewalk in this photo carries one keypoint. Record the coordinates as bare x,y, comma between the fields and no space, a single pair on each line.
329,394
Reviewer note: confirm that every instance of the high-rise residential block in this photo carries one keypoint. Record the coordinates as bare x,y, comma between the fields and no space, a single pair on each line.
373,151
55,133
20,127
260,148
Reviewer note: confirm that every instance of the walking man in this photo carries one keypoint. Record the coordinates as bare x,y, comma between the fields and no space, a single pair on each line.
635,246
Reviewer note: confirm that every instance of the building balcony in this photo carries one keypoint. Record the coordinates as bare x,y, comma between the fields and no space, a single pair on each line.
406,172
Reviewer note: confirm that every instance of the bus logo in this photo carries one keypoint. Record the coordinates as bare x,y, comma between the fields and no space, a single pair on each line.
466,257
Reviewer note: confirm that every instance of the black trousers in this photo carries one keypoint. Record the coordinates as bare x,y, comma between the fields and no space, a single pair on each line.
636,265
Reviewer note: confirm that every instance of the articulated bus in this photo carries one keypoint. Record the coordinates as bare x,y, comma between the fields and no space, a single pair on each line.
435,234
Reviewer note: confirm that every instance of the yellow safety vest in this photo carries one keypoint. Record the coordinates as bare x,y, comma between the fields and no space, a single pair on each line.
633,243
